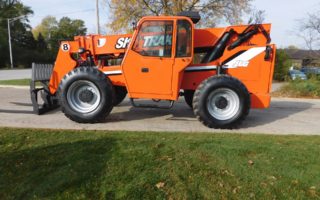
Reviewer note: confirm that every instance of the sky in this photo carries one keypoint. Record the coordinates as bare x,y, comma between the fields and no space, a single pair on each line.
282,14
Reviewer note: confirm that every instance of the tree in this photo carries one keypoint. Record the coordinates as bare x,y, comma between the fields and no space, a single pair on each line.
282,65
22,40
47,26
42,44
51,31
257,17
68,28
309,30
124,12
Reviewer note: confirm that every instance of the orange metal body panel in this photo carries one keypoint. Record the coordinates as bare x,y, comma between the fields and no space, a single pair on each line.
168,75
63,65
99,44
207,37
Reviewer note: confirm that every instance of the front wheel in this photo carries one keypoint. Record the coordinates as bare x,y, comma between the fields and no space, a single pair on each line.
221,102
86,95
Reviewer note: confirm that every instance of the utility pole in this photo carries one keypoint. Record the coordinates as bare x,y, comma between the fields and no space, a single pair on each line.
9,20
10,48
98,20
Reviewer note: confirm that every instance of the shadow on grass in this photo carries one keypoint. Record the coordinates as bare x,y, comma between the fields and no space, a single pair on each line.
51,171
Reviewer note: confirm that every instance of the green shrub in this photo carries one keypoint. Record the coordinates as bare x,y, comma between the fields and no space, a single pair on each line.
282,65
301,88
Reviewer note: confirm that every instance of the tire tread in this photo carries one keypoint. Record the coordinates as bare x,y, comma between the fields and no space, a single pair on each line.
100,78
219,79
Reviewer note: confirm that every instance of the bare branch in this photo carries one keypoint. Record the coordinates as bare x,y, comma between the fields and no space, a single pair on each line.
309,30
147,4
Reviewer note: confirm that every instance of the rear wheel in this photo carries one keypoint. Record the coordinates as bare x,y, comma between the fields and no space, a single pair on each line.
188,97
86,95
221,102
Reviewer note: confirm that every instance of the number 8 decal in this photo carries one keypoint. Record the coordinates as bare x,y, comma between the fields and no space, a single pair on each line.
65,47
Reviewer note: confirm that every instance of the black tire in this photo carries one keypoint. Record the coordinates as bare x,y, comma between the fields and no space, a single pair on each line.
221,102
120,94
188,97
101,95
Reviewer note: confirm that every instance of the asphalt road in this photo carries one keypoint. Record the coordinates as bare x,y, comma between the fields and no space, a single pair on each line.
285,116
15,74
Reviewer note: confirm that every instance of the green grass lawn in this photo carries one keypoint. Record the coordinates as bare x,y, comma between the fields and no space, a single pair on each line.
18,82
54,164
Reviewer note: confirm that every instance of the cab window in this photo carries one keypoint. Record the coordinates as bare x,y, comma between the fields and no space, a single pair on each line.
184,40
154,39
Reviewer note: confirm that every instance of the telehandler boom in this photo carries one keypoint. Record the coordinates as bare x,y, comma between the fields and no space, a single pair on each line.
221,72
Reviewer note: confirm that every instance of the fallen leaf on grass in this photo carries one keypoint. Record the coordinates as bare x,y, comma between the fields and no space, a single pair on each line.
250,162
166,158
312,191
263,184
312,187
226,172
160,185
236,189
272,178
295,182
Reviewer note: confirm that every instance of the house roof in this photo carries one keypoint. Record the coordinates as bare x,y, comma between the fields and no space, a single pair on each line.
301,54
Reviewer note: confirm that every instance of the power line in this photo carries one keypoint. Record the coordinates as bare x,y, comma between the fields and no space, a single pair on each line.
66,13
50,5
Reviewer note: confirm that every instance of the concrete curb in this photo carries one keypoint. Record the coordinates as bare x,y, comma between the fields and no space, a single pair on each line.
15,86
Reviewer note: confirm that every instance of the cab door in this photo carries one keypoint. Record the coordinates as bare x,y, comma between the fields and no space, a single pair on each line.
148,65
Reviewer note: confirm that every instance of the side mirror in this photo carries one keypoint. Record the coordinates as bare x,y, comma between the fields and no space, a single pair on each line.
134,26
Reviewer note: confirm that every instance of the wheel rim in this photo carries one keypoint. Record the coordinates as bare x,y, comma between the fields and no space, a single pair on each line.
83,96
223,103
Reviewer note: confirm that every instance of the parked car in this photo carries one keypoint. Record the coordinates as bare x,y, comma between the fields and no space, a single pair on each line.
296,74
311,70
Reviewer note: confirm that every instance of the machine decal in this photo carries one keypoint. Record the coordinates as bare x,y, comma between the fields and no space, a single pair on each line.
243,60
157,40
122,43
65,47
102,42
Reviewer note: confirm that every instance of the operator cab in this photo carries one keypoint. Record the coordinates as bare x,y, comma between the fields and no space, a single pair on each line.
161,48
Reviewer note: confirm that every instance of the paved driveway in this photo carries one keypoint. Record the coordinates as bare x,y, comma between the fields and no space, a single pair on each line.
285,116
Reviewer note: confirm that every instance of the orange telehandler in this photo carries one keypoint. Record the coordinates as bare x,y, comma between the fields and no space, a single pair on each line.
221,72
